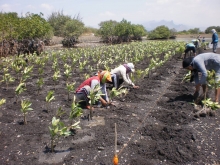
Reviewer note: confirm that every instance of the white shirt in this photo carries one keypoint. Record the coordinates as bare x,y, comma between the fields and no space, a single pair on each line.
121,71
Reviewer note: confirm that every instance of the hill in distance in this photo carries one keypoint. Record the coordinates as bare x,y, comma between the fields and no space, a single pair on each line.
151,25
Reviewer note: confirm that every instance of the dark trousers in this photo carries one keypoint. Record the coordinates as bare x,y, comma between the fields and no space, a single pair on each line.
116,81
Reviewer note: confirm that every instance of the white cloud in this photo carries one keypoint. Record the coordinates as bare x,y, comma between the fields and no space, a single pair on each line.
5,7
47,6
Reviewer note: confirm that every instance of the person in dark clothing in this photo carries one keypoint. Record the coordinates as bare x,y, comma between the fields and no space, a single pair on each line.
214,40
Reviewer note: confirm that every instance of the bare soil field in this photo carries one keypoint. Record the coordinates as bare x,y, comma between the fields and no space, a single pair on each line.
156,125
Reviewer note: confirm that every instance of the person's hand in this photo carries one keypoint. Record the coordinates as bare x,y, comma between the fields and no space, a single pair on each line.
104,103
135,87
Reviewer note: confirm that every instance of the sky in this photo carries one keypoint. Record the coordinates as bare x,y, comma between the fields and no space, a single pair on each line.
193,13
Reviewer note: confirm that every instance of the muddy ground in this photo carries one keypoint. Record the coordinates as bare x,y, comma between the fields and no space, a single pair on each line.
156,124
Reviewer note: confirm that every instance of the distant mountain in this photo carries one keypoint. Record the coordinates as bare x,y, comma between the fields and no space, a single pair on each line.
151,25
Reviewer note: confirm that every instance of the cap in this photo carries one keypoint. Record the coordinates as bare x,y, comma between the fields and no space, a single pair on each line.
213,30
105,76
187,62
131,66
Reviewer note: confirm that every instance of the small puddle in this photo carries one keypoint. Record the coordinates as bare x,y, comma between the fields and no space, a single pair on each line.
53,158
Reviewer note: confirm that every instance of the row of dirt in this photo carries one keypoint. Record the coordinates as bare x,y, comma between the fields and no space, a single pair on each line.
156,124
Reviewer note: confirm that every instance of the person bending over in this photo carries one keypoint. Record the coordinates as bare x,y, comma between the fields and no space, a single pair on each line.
83,91
121,74
202,63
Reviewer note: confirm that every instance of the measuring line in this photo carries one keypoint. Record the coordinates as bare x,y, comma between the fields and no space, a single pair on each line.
126,144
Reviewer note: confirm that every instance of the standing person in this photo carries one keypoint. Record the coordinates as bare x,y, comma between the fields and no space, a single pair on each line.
202,63
214,40
83,91
189,47
121,74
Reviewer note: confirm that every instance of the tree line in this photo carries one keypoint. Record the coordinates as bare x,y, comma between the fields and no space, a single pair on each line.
32,26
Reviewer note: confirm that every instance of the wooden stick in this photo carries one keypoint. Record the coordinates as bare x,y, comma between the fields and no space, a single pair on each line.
115,139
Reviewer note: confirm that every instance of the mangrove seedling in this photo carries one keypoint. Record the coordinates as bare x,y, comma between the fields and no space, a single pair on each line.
186,77
116,92
7,78
67,71
39,83
25,108
55,65
40,71
56,75
86,76
70,88
94,96
2,101
57,129
211,104
16,68
139,74
20,89
82,65
26,73
60,112
76,110
214,85
49,98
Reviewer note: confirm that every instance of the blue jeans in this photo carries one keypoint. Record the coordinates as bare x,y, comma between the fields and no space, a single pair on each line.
215,47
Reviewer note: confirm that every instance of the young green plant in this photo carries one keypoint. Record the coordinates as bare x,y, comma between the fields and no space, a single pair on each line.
2,101
26,73
20,89
67,71
76,110
39,83
25,108
57,129
56,75
117,92
70,88
49,98
94,95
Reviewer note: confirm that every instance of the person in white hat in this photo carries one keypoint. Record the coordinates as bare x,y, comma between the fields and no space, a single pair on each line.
121,74
214,40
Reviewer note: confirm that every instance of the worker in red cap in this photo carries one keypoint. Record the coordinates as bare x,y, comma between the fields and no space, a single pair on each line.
83,91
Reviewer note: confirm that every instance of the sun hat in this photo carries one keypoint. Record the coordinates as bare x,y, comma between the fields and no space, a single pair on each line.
105,76
131,66
187,62
213,30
